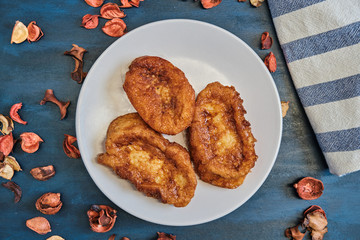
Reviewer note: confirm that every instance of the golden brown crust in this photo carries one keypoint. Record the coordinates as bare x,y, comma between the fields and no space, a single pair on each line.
161,94
221,142
155,166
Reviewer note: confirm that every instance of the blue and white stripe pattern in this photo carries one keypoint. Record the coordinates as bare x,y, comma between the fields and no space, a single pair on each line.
321,43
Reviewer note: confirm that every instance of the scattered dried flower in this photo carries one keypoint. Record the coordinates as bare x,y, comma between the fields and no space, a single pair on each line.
309,188
210,3
6,171
256,3
16,189
39,225
125,4
43,173
112,237
241,0
295,233
125,238
94,3
114,28
30,142
19,34
135,3
7,124
165,236
14,113
50,97
6,144
314,208
13,163
284,108
270,62
266,40
69,149
77,53
49,203
55,237
90,21
315,221
34,31
111,10
101,217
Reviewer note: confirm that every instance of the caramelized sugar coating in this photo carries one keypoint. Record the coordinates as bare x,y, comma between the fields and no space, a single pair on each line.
155,166
161,94
221,142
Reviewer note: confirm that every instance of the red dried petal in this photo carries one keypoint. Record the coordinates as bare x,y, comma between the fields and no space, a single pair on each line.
30,142
309,188
6,144
69,149
39,225
101,218
135,3
14,113
112,237
125,4
16,189
270,62
111,10
210,3
94,3
266,40
77,52
34,31
294,233
90,21
314,208
115,27
50,97
165,236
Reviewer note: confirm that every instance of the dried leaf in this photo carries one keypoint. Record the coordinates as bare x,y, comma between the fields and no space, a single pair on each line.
20,33
114,28
94,3
15,189
7,124
284,108
210,3
270,62
90,21
6,144
50,97
30,142
35,32
14,113
39,225
111,10
69,149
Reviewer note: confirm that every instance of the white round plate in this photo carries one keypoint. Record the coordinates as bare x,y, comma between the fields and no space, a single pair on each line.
205,53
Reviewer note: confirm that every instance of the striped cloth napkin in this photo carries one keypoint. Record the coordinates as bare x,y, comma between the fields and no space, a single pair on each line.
321,43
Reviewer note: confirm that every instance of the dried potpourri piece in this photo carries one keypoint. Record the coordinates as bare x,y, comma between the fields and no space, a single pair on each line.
165,236
210,3
13,163
6,171
19,33
94,3
316,222
270,62
6,144
50,97
241,0
111,10
125,4
77,53
35,32
14,113
16,189
135,3
256,3
7,124
69,149
284,108
295,233
102,218
49,203
125,238
55,237
112,237
30,142
90,21
114,28
39,225
43,173
309,188
266,40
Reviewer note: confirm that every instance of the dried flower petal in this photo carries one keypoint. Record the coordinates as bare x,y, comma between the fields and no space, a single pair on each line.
50,97
256,3
49,203
114,28
77,52
210,3
90,21
111,10
284,108
6,144
112,237
30,142
55,237
14,113
94,3
16,189
35,32
314,208
69,149
6,171
101,217
7,124
270,62
125,238
13,163
135,3
39,225
295,233
266,40
241,0
43,173
315,221
125,4
309,188
20,33
165,236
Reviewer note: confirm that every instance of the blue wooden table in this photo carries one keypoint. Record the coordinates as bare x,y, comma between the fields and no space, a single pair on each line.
27,70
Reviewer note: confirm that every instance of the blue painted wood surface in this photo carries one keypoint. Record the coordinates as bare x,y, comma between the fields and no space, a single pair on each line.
27,70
